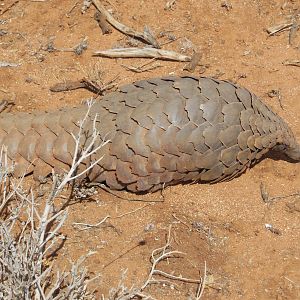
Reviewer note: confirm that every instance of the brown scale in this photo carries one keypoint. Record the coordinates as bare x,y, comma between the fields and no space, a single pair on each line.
161,131
12,141
229,136
195,114
23,124
7,122
211,136
119,148
183,137
227,92
232,112
245,97
208,88
153,139
176,113
186,87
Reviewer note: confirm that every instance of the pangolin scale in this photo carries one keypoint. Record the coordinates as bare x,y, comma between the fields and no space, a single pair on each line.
161,131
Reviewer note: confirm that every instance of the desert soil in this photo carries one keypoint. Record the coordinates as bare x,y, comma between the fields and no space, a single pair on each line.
221,225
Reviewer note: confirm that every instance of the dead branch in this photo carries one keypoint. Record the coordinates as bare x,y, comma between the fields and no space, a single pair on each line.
9,7
4,104
292,62
77,49
145,36
84,83
146,67
101,20
85,6
85,226
293,32
5,64
201,285
131,212
191,66
277,94
143,53
279,28
267,199
169,5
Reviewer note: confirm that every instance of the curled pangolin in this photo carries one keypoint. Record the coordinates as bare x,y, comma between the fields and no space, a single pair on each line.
162,131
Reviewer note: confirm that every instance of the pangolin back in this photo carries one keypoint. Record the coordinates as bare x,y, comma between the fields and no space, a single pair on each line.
161,131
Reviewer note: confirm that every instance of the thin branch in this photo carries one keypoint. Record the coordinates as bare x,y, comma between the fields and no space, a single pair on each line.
9,7
279,28
103,24
292,62
131,212
5,64
146,36
89,226
202,283
143,53
84,83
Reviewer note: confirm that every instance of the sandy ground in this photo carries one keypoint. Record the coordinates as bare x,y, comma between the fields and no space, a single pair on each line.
222,225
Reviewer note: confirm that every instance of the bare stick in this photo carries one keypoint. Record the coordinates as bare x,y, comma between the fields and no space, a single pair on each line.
77,49
4,104
201,286
142,68
146,36
5,64
267,199
191,66
143,53
170,4
131,212
8,8
159,255
101,20
293,32
278,28
290,62
88,226
182,222
84,83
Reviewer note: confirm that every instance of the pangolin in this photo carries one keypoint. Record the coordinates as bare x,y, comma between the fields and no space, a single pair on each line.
160,131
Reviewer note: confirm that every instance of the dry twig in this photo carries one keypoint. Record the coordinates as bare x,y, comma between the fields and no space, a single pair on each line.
159,255
292,62
4,104
191,66
293,32
279,28
170,4
143,53
9,7
85,226
101,20
267,199
77,49
142,68
84,83
86,5
277,94
145,36
155,276
5,64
